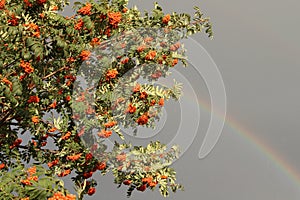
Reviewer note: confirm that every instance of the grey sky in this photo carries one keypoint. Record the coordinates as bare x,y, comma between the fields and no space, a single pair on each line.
256,48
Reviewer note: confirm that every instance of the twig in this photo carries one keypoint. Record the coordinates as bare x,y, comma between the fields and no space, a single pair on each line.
11,63
6,116
51,74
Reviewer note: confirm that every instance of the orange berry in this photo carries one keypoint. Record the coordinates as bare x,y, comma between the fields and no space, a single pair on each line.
152,184
151,55
110,124
163,177
142,119
74,157
166,18
121,157
142,188
91,191
2,165
68,98
127,182
161,102
101,165
35,119
104,133
86,10
114,18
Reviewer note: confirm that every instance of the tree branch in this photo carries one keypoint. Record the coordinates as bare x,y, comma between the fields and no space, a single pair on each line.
51,74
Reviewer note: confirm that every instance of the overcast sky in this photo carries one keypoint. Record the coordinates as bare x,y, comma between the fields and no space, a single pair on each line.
256,49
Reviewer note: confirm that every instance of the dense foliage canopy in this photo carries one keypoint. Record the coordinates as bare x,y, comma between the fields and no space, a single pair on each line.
52,126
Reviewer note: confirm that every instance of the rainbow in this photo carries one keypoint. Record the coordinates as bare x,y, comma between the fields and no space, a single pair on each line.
263,147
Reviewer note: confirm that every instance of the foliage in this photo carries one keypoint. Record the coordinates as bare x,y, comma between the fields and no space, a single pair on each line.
42,54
